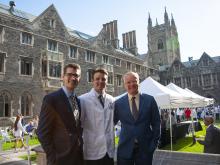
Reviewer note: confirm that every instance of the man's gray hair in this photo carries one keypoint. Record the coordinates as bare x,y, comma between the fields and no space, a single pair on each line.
133,74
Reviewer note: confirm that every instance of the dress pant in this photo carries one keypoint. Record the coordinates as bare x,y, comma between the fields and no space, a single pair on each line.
138,158
106,160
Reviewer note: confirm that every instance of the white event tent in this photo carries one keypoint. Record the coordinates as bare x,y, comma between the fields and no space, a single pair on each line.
206,101
195,100
164,97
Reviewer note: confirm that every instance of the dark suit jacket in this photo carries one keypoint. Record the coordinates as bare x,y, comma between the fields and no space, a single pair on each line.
146,129
212,140
57,130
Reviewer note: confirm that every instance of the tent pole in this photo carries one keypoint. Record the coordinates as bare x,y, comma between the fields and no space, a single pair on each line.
193,129
171,134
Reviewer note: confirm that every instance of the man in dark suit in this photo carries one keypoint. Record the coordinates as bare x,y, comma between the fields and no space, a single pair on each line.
59,130
140,124
211,142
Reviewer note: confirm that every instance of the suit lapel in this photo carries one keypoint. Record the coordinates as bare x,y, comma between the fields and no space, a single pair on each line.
65,111
141,104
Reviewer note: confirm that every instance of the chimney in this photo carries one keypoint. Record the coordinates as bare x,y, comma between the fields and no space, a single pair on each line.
11,4
129,42
111,30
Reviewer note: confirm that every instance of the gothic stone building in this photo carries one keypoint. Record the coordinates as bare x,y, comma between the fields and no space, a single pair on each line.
34,50
201,76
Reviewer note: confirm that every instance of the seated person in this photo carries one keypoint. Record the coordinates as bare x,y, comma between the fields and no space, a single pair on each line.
30,128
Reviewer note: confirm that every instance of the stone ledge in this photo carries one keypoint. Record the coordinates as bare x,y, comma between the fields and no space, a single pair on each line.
162,157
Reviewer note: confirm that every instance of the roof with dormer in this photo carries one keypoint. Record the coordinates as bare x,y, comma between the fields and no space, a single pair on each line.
29,17
17,13
191,63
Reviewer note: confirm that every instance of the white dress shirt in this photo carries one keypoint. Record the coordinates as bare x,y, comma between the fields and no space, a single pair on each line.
137,100
98,126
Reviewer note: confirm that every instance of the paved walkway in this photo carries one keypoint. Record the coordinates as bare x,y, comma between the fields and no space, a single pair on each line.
12,158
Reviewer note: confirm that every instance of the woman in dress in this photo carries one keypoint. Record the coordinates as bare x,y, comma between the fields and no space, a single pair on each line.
18,130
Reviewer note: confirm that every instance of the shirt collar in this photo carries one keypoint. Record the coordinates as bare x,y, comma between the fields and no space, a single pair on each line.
136,96
97,94
68,93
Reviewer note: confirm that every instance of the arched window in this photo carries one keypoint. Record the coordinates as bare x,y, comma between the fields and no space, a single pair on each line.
5,104
160,44
26,102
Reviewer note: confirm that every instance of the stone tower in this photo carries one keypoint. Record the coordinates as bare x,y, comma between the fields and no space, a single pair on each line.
163,43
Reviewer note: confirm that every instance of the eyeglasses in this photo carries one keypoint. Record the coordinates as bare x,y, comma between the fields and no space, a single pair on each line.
72,75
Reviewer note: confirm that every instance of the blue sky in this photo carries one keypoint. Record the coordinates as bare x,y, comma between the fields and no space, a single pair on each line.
197,21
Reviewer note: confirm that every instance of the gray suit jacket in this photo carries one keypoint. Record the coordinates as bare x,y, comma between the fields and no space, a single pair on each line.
211,142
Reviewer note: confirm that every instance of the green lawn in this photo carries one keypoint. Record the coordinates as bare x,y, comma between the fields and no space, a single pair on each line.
10,145
33,157
185,144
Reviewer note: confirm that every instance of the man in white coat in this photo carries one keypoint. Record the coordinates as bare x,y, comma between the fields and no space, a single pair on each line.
97,122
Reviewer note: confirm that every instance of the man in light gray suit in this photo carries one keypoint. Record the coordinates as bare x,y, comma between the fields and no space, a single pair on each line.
211,142
97,122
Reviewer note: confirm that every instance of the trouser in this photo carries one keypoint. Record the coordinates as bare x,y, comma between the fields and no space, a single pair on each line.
138,158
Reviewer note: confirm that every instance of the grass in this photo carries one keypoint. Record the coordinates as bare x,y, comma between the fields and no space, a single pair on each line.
33,157
186,145
10,145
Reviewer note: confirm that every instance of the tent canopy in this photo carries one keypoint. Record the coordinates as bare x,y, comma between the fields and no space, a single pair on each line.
164,97
195,100
206,101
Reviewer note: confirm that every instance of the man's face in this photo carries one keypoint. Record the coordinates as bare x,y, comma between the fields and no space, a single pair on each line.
131,84
207,121
99,82
71,78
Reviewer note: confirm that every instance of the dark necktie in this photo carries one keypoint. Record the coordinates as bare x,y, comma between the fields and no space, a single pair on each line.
100,97
134,108
75,109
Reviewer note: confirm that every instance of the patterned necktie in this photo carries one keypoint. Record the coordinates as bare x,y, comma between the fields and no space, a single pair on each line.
134,108
75,108
100,97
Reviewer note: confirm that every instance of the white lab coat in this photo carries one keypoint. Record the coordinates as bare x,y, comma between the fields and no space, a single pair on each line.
98,126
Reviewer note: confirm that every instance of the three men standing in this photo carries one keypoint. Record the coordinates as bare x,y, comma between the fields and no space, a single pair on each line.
60,129
140,121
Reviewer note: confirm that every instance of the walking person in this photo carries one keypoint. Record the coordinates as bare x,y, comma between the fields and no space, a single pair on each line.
97,121
18,132
140,122
59,129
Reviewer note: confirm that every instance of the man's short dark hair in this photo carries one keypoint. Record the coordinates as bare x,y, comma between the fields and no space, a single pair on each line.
99,70
72,65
